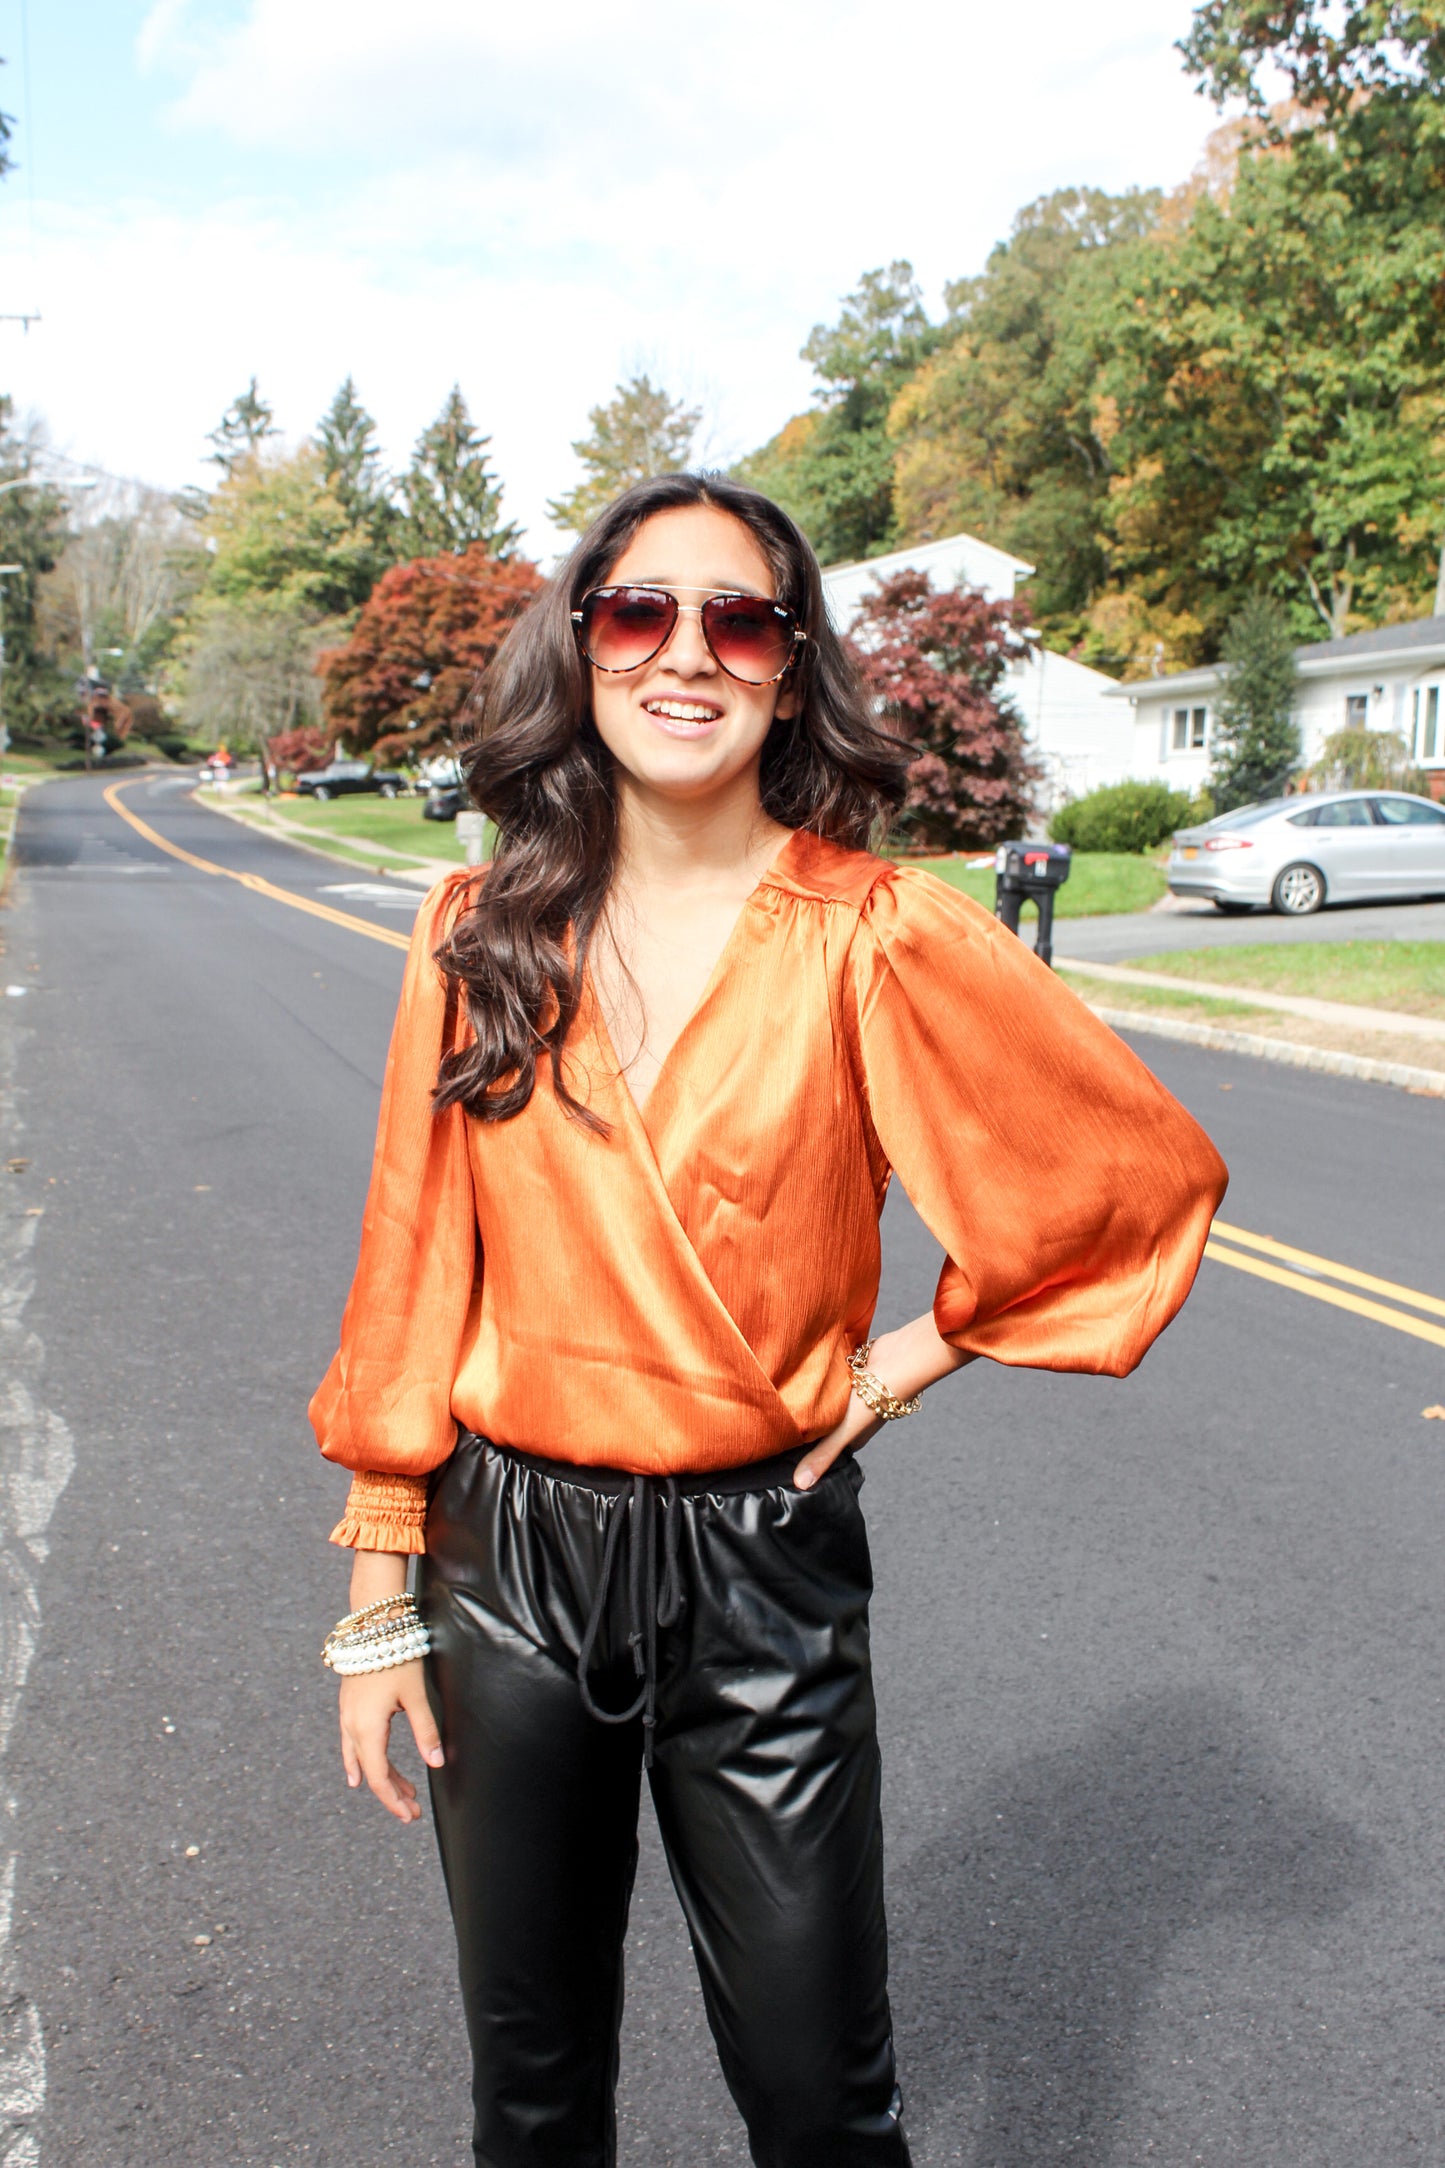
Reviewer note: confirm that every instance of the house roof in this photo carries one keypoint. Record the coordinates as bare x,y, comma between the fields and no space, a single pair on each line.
1422,640
948,551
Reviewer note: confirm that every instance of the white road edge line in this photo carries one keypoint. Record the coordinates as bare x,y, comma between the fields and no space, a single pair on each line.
37,1457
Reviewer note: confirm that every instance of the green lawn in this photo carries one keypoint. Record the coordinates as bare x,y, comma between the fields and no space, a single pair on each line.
1099,883
1406,975
395,822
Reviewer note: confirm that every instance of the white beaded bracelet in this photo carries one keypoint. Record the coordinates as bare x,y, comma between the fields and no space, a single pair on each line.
396,1649
384,1634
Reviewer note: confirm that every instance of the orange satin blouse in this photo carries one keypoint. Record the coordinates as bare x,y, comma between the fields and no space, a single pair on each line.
683,1292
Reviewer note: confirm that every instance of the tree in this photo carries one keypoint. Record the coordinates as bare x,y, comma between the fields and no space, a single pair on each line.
35,699
1335,59
404,678
351,465
242,430
832,469
638,433
276,528
1276,374
1000,431
120,582
248,669
450,497
1256,738
936,662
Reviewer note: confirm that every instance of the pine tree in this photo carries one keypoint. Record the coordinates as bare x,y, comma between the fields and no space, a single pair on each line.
350,457
638,433
351,464
242,430
1256,737
450,497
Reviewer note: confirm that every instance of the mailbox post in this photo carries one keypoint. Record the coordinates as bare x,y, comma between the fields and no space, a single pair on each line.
1034,872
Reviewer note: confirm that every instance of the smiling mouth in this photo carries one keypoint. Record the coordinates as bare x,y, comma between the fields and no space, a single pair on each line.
686,714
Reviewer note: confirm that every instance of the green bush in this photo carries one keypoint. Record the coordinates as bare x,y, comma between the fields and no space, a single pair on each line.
1122,817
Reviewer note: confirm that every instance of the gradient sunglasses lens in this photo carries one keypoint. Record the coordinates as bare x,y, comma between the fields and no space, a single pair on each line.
751,637
623,627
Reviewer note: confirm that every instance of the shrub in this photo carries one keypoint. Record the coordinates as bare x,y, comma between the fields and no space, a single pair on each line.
1355,759
1122,817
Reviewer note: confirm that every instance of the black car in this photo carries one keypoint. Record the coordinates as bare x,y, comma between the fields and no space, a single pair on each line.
339,776
443,802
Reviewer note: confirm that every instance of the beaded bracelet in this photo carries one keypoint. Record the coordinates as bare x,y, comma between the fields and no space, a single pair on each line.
383,1634
874,1393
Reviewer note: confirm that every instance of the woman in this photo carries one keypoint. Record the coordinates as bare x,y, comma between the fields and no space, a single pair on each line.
605,1361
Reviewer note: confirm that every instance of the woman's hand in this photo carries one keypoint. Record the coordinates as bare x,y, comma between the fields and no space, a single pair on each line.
908,1361
369,1701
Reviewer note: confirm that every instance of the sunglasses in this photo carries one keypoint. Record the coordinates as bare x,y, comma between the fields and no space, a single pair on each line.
752,639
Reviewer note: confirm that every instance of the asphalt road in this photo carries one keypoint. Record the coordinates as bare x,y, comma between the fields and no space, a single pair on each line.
1159,1661
1194,925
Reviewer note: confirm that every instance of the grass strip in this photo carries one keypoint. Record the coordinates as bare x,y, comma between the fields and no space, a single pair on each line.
1408,976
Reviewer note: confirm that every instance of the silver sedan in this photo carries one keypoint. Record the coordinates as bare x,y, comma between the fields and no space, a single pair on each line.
1296,854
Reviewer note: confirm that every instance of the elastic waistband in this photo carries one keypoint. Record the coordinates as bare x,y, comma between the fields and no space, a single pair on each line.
775,1473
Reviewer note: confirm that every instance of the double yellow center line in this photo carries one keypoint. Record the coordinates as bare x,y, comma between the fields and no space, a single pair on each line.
1307,1274
1260,1255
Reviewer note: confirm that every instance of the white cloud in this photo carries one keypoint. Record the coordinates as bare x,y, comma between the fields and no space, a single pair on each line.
528,201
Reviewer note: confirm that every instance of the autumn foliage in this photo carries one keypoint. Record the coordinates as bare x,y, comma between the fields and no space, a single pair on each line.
423,638
936,660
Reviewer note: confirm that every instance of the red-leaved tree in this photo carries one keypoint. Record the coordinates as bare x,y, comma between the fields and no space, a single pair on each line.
427,631
300,750
936,660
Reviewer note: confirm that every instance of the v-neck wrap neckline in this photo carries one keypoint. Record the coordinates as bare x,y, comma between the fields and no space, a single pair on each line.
682,1291
596,1021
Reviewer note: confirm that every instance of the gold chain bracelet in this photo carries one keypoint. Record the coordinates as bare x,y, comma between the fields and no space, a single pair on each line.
874,1393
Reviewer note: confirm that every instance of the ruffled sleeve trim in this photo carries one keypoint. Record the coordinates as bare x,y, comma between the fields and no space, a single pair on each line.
384,1513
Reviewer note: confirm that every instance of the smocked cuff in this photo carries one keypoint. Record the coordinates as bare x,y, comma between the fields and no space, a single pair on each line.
384,1513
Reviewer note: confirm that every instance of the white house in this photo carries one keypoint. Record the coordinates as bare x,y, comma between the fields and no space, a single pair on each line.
1390,679
1080,734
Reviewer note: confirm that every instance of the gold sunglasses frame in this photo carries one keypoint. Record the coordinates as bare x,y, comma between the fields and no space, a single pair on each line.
689,609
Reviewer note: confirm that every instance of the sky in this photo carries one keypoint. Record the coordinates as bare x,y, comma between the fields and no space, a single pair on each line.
532,201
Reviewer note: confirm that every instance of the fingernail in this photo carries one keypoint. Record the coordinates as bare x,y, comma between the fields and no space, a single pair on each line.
353,1782
805,1479
435,1758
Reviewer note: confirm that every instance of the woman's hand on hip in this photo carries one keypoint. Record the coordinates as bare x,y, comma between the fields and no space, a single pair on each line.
369,1701
908,1361
859,1424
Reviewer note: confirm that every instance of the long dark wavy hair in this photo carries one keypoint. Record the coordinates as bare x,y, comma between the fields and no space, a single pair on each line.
539,768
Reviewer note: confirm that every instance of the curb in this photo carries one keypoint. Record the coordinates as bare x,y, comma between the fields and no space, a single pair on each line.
1362,1067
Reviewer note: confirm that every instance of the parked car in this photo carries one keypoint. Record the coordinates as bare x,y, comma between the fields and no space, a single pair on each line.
443,802
341,776
1295,854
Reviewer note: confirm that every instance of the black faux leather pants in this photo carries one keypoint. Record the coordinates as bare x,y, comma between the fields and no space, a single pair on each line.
756,1698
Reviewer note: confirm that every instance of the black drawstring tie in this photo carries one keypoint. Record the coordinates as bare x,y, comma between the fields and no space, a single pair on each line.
651,1603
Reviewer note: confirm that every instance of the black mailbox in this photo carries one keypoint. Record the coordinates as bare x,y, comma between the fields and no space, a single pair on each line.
1030,871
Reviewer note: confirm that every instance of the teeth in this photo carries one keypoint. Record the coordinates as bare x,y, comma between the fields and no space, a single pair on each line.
681,711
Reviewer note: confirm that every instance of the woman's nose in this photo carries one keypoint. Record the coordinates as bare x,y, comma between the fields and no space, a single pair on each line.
687,651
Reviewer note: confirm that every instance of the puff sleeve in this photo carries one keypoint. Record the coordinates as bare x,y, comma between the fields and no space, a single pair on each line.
384,1407
1071,1192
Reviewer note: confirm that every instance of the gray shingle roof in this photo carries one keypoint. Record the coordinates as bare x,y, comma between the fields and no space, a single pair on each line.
1381,640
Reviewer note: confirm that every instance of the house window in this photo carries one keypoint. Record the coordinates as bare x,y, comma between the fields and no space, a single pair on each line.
1189,729
1432,723
1357,711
